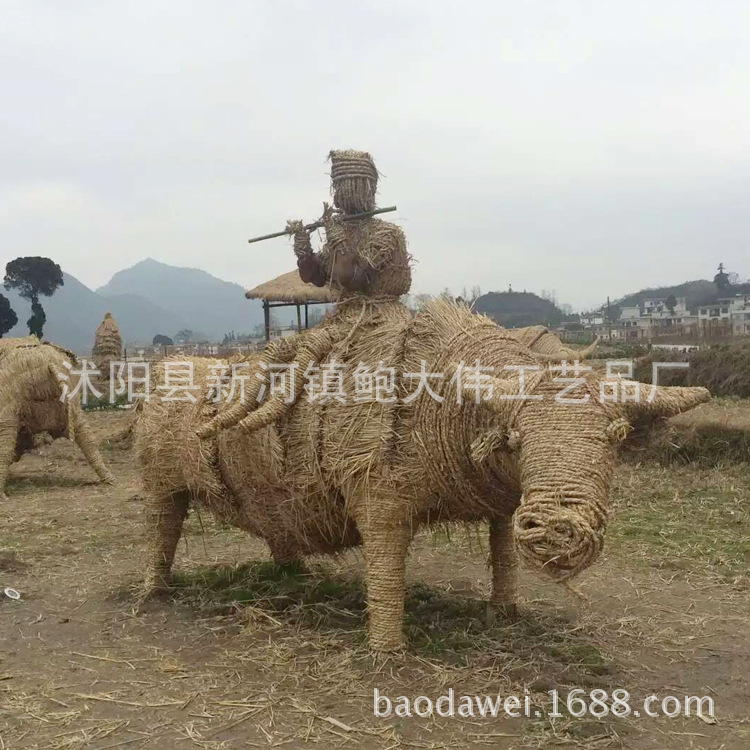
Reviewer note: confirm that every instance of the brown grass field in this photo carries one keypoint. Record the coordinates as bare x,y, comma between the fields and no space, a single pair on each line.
244,655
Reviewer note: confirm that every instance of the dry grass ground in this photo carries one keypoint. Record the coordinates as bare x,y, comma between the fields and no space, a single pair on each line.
247,655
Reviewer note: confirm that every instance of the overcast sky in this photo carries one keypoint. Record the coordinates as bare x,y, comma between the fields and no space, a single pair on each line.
591,148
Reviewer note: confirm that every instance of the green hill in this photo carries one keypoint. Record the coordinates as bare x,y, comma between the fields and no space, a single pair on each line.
518,309
697,293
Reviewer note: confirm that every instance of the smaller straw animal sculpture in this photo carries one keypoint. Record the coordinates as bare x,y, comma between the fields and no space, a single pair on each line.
32,376
107,345
312,477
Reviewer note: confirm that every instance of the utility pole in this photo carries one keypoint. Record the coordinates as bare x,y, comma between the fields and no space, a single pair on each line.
609,321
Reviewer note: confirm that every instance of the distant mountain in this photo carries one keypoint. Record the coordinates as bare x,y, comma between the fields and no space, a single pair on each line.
74,312
171,299
518,309
209,305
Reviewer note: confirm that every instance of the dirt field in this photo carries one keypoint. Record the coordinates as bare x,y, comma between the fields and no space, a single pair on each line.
244,655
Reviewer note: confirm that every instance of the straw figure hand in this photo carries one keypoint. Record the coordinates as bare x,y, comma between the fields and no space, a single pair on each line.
329,214
310,268
302,245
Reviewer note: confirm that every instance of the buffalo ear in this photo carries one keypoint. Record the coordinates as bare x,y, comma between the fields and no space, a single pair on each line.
666,401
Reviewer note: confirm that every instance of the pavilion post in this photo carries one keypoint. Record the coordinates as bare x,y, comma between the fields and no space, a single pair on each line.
299,319
267,319
306,317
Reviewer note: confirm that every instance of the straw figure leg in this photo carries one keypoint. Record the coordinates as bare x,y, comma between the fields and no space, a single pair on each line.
86,442
386,542
285,554
504,566
8,436
165,516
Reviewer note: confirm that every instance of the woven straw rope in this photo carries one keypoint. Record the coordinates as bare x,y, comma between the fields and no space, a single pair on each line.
562,529
354,181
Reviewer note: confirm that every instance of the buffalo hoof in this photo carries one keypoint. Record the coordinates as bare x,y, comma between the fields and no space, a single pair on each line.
157,587
507,611
387,644
293,567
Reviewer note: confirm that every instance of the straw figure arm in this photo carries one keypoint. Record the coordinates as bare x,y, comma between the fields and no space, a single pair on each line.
341,264
310,265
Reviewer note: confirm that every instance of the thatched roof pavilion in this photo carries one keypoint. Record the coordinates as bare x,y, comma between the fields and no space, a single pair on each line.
289,290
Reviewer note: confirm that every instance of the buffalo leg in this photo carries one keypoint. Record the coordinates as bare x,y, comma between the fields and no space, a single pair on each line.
165,517
385,554
85,440
285,553
8,438
504,565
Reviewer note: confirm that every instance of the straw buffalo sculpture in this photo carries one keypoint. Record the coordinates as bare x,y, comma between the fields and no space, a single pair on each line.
32,377
319,475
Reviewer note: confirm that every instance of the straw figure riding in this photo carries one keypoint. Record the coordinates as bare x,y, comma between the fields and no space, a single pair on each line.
367,256
365,264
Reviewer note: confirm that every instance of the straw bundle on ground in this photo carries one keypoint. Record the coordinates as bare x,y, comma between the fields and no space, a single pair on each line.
318,475
107,345
31,379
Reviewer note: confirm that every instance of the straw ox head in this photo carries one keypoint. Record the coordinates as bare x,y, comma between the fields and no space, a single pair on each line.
564,450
